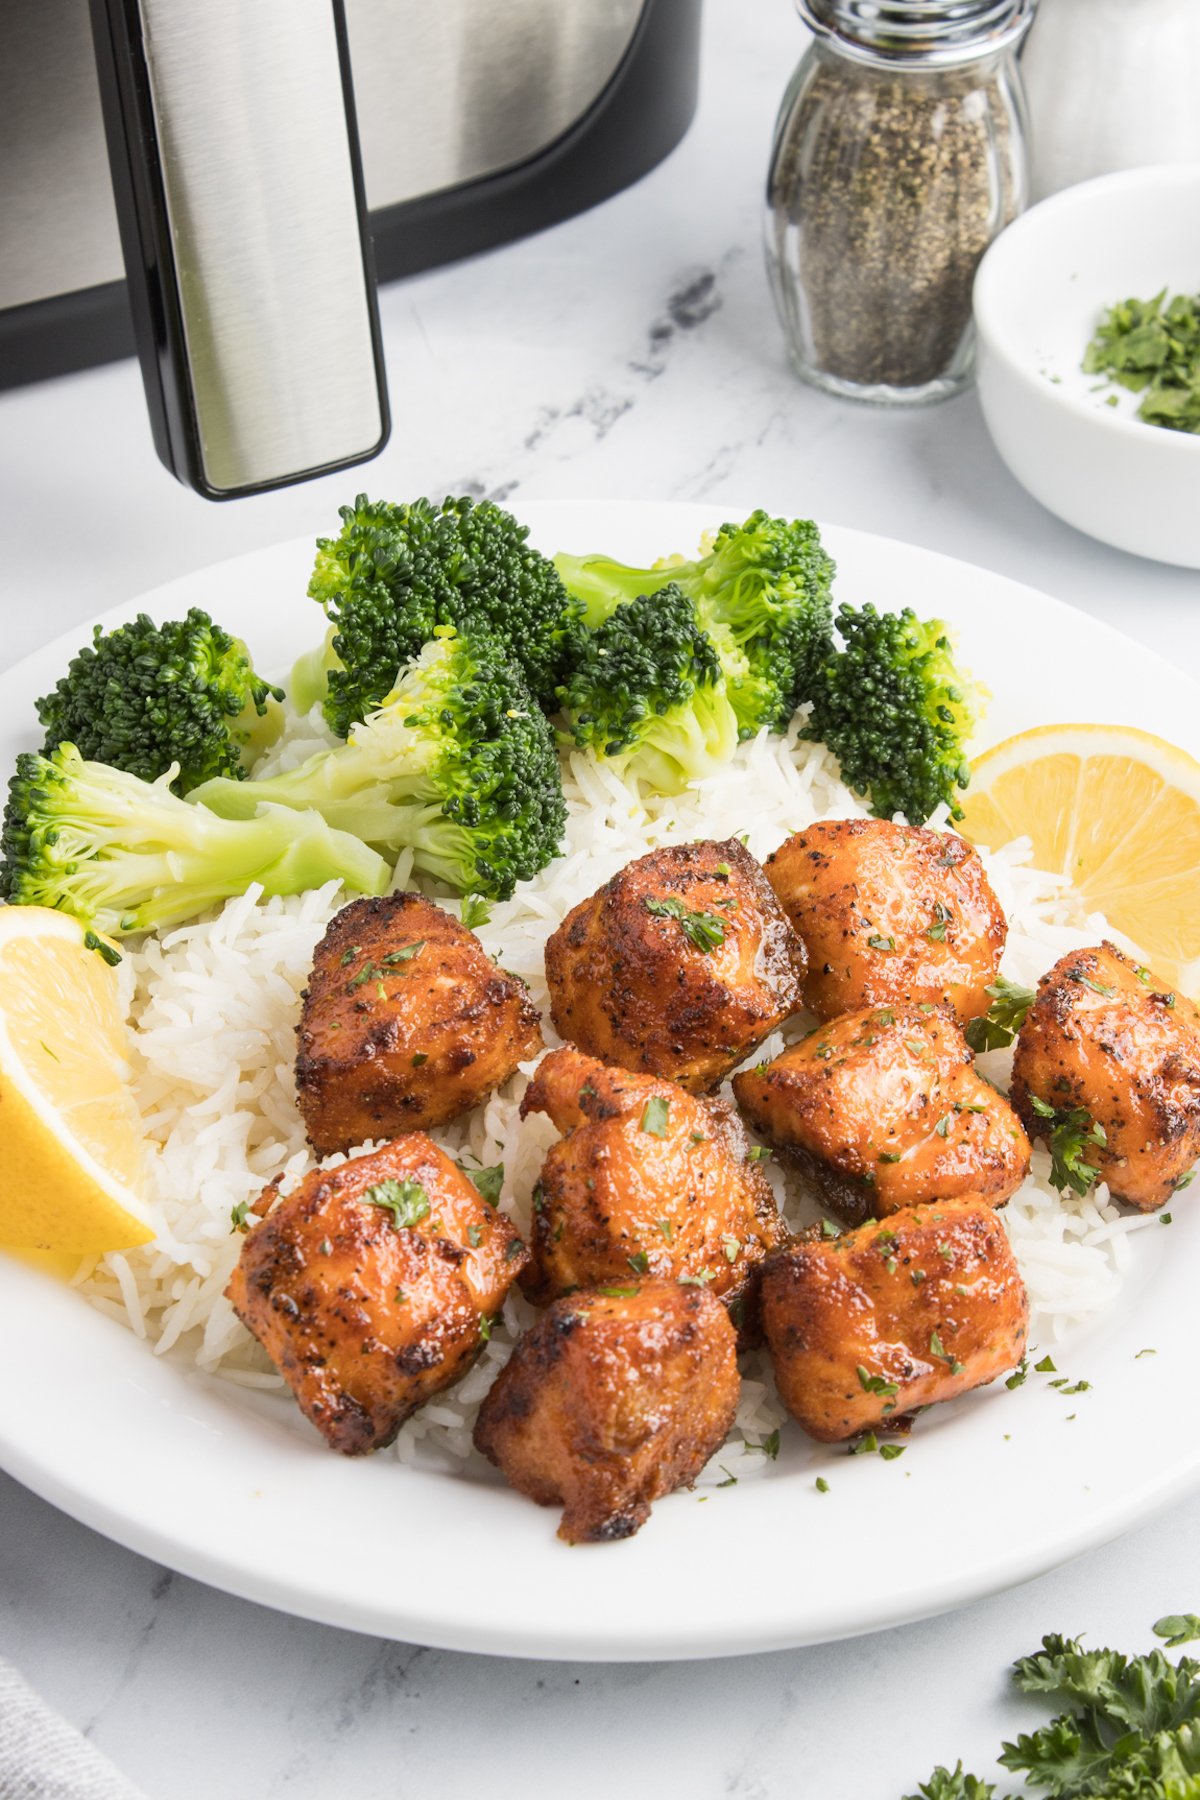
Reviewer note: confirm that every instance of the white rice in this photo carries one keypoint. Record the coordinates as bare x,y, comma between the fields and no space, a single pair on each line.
213,1008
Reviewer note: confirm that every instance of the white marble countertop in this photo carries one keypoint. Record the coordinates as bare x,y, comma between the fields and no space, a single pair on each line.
631,352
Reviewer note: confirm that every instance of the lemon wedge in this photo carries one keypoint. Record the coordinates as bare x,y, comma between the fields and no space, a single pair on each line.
1118,812
71,1171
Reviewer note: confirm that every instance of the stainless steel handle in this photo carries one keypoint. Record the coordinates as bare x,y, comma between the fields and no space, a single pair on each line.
239,193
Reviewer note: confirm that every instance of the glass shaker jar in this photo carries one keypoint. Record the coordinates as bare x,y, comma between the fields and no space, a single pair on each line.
900,153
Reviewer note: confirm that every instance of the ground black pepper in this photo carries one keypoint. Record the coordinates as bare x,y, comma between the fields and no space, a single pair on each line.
886,187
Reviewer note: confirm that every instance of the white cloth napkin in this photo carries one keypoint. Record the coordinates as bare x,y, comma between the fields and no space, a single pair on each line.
44,1758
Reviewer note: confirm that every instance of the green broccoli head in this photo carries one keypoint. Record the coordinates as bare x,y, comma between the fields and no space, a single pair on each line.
896,712
145,696
396,572
129,855
458,766
646,691
761,592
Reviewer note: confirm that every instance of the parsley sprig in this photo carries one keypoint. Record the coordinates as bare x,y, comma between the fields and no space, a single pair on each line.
1129,1728
1003,1018
1068,1133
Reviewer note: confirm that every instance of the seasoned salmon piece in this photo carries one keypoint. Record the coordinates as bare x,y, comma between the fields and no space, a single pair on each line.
648,1180
371,1287
884,1109
865,1327
679,966
614,1398
1106,1036
890,914
406,1023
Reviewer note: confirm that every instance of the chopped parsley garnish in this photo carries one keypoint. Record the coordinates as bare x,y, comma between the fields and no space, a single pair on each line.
1152,347
1143,975
877,942
618,1293
1045,1367
887,1017
829,1229
866,1445
476,911
1019,1375
474,1235
702,929
1004,1017
639,1262
407,1201
941,918
488,1183
723,869
890,1452
104,951
822,1486
514,1249
732,1247
730,1480
655,1114
876,1384
1164,1218
916,1276
769,1445
667,1229
403,955
1146,1352
485,1327
1068,1132
943,1125
758,1153
1097,987
350,954
700,1280
889,1156
237,1216
420,1058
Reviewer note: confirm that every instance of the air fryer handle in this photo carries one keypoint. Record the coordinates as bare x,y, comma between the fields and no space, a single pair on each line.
239,194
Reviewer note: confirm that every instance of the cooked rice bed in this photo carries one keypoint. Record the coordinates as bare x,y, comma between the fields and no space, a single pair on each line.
213,1008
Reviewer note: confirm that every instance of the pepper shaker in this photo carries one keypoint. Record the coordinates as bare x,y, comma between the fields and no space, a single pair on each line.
900,153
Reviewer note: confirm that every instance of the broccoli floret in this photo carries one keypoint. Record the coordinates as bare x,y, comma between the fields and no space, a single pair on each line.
761,591
458,766
395,572
145,696
646,691
896,712
129,855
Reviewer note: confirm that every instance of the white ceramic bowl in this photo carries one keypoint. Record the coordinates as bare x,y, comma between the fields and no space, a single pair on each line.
1039,294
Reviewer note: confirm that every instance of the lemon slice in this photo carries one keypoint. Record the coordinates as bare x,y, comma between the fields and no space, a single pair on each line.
71,1170
1118,812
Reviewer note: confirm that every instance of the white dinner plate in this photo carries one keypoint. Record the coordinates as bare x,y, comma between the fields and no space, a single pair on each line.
235,1489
